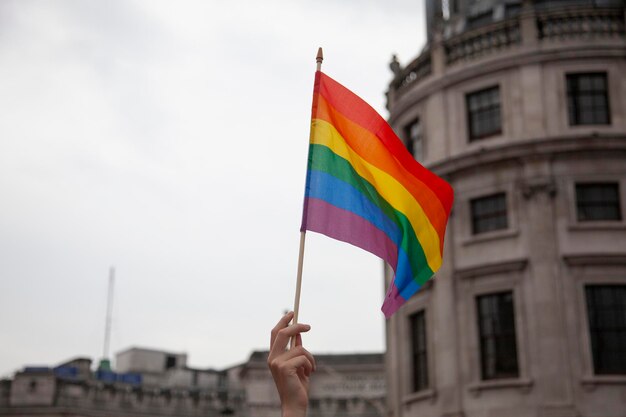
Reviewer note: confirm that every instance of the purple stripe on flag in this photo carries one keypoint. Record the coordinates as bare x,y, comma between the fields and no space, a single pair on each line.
346,226
393,300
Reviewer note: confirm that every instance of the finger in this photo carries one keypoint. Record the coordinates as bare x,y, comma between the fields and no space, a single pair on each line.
298,351
282,323
304,374
282,337
290,364
298,339
298,363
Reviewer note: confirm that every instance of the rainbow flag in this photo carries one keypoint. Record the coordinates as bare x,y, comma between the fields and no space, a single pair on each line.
363,187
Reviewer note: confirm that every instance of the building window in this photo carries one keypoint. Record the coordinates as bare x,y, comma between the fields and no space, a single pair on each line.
587,99
483,113
414,140
170,362
166,395
598,201
498,348
489,213
418,351
222,381
606,310
342,405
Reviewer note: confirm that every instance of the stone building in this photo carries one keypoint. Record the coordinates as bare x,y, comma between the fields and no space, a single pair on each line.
146,382
157,383
343,385
521,106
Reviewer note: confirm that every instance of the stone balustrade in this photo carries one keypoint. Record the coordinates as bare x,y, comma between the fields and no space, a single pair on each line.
485,40
550,25
581,23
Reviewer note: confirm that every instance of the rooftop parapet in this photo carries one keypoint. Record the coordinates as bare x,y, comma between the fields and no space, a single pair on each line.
533,28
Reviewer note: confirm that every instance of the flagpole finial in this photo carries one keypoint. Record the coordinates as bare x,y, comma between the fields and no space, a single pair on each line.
319,58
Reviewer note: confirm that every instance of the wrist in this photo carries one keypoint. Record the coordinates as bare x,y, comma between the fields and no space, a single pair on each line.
293,412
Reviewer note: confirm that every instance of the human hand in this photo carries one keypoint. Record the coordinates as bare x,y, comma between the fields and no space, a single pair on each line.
291,368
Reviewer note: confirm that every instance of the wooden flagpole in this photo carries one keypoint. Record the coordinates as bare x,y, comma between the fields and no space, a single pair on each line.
296,304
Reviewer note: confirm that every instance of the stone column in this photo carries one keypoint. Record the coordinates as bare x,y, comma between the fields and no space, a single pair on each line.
438,55
392,359
549,354
446,332
433,16
528,24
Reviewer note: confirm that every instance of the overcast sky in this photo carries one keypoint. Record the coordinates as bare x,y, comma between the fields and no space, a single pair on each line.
169,139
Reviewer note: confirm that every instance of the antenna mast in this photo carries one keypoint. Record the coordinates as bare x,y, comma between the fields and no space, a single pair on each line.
107,328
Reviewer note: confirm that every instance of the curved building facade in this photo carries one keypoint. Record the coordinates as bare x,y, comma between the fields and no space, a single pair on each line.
521,106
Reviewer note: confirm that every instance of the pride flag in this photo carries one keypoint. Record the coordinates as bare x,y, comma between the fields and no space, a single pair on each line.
363,187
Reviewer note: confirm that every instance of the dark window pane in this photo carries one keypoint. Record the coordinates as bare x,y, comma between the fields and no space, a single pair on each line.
582,82
598,201
606,312
498,347
598,101
599,83
419,351
170,361
484,113
587,99
414,139
489,213
342,405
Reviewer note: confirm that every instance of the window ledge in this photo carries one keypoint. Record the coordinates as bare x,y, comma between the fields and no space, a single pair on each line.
598,225
490,135
595,259
487,236
590,125
591,382
523,384
503,267
422,395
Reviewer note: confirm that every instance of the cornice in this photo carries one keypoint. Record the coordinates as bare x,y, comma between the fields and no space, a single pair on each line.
602,259
529,148
492,269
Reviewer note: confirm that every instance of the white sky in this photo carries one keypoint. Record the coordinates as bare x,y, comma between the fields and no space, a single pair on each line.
169,139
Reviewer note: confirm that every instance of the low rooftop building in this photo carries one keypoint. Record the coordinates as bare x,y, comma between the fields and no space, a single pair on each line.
159,383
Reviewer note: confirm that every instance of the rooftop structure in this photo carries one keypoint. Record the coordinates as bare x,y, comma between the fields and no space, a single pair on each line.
158,383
